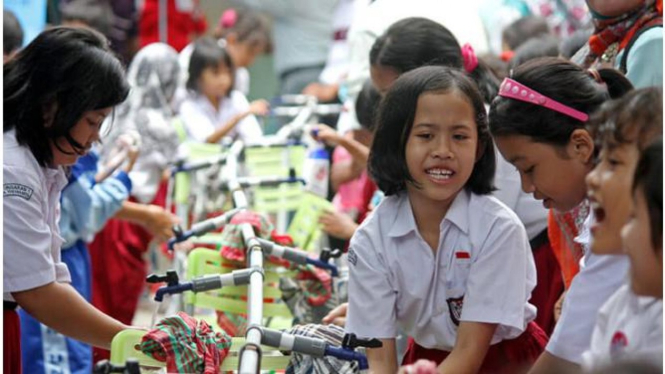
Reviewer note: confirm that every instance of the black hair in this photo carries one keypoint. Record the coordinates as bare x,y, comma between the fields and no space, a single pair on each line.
635,117
542,46
570,45
12,38
208,53
496,65
65,70
95,14
250,27
387,159
524,29
559,80
649,179
415,42
367,105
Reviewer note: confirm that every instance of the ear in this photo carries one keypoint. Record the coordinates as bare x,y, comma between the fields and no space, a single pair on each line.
581,146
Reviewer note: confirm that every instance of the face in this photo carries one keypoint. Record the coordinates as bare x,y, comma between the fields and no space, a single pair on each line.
553,175
383,77
646,262
441,148
215,81
613,8
85,132
244,54
609,189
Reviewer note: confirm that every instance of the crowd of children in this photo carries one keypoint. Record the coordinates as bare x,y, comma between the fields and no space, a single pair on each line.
502,210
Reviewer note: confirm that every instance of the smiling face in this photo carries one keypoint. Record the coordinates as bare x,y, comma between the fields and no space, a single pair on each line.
646,262
441,148
85,133
609,189
553,175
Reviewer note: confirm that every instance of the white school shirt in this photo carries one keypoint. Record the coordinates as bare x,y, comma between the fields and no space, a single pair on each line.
202,119
483,271
32,240
628,327
599,277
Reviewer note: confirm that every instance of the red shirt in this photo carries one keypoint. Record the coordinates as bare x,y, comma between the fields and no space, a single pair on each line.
180,26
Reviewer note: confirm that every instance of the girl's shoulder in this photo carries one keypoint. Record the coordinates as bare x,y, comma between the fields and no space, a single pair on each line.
484,208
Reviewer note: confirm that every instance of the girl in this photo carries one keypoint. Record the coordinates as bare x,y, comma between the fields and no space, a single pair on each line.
214,110
628,36
538,124
628,326
439,258
416,42
57,92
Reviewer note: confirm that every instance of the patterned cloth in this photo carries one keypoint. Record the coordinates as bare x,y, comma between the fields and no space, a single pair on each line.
305,364
562,228
186,345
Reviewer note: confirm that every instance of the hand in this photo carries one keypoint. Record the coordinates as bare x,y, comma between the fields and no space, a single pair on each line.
338,224
420,367
185,246
326,134
132,154
337,316
160,223
322,92
558,307
259,107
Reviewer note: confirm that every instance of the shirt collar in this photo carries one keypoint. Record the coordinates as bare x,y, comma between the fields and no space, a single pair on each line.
404,223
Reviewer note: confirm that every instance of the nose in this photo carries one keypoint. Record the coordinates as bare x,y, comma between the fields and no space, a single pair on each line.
442,149
527,184
592,179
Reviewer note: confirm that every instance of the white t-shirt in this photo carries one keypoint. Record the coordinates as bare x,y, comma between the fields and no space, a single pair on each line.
599,277
483,271
31,203
201,119
628,327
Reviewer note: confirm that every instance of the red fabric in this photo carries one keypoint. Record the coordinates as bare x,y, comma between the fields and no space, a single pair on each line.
549,287
118,268
11,335
181,27
368,192
506,357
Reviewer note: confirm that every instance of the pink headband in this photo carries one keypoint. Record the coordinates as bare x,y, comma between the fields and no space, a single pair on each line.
228,18
515,90
470,59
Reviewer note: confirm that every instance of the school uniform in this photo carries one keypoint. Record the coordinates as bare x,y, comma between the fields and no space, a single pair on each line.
85,207
201,119
600,276
628,327
31,236
482,271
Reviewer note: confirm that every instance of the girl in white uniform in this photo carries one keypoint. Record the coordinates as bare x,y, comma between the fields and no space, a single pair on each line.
628,326
213,109
439,258
538,123
57,92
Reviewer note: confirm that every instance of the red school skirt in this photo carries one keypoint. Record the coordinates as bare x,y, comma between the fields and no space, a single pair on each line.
11,334
506,357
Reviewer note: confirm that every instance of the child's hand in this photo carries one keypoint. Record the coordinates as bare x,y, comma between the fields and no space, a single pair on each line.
337,316
160,223
259,107
420,367
326,134
338,224
185,246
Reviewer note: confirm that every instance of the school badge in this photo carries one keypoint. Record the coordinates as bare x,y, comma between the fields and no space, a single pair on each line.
455,305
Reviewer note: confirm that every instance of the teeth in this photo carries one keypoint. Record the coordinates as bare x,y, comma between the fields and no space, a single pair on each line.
595,205
439,172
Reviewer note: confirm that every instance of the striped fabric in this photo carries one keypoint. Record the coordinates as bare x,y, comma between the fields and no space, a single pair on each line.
305,364
186,345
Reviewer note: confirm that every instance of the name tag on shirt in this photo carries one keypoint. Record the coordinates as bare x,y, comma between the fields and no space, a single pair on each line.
16,189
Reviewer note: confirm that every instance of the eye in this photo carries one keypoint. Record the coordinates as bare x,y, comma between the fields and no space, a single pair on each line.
529,170
425,135
460,136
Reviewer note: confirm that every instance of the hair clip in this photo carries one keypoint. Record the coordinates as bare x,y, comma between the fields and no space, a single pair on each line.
515,90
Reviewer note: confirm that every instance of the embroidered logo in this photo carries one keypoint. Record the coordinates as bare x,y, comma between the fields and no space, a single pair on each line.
618,344
353,257
15,189
455,305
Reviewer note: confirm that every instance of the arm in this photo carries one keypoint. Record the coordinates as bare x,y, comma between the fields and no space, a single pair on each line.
257,107
338,224
220,132
473,341
384,359
60,307
358,151
343,172
548,363
154,218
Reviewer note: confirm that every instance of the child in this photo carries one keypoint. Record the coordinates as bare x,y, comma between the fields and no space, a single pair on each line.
214,110
628,36
628,326
439,258
57,93
538,125
415,42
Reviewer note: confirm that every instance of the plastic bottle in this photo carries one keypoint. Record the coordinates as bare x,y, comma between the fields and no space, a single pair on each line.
316,170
